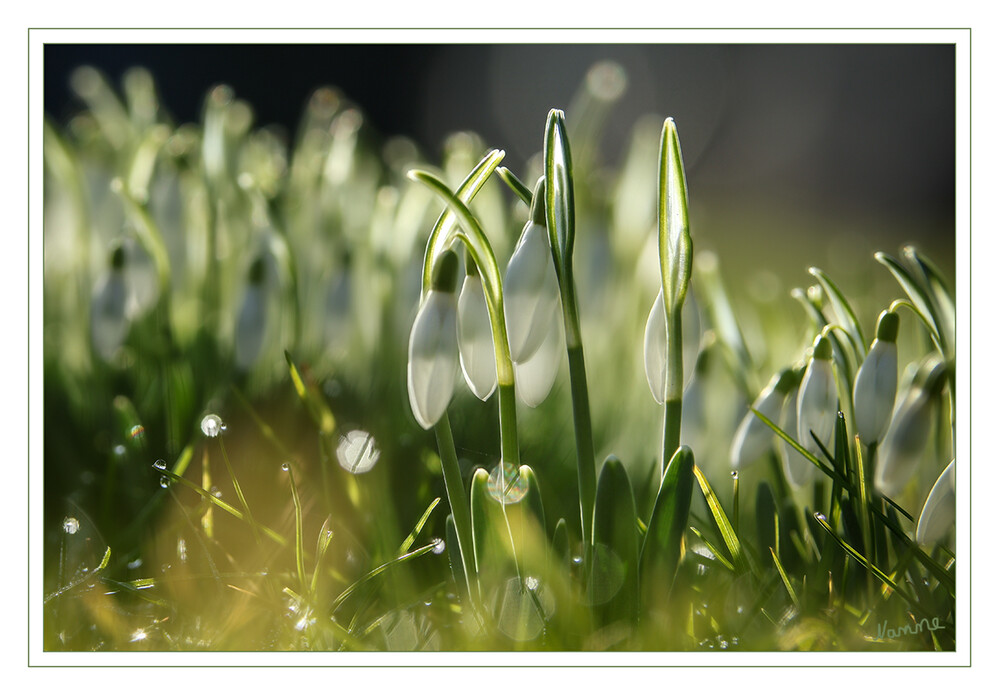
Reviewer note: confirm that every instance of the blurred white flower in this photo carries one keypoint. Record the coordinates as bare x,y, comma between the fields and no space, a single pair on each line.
530,292
655,343
111,308
753,438
475,338
904,443
817,400
251,326
433,348
938,514
876,383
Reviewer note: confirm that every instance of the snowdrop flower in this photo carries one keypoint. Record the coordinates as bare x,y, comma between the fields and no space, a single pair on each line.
754,437
937,517
111,308
475,335
908,432
798,470
655,343
530,289
535,377
251,325
876,382
433,349
817,400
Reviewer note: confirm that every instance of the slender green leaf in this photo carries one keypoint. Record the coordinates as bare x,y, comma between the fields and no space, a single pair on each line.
721,521
844,313
411,538
660,556
614,577
787,582
916,294
419,552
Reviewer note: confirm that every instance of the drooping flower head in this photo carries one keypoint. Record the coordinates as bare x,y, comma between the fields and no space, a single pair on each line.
876,382
111,308
817,401
938,514
753,437
433,348
475,335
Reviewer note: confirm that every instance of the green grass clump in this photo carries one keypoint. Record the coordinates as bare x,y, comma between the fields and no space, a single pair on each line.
232,457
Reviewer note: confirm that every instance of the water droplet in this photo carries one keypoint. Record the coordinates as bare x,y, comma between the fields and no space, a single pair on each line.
285,467
138,635
159,464
577,560
216,493
70,525
531,583
428,603
820,516
438,546
182,550
211,425
135,564
164,482
165,568
119,450
735,475
506,484
137,431
223,427
357,452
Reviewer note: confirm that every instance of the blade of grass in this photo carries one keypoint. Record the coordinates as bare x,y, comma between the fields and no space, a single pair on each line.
721,521
419,552
411,538
787,582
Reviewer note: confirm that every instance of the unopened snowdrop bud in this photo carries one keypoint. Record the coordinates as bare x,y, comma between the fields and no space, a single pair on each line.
655,344
908,432
536,376
817,399
754,437
475,335
109,308
876,382
937,517
433,350
251,326
530,288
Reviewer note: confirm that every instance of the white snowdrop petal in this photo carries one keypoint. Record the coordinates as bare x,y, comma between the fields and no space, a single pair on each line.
938,514
655,349
475,339
108,315
753,437
251,327
904,443
874,391
433,358
530,293
535,377
798,470
817,406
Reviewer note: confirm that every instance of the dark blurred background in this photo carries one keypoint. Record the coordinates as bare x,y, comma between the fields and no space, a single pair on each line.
853,143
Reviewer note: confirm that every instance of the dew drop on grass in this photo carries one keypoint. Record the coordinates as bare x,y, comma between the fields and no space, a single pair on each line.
357,452
285,467
438,546
159,464
138,635
164,482
137,431
70,525
531,583
735,475
119,450
212,425
820,516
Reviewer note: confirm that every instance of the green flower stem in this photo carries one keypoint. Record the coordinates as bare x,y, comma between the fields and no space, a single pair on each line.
673,411
458,499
